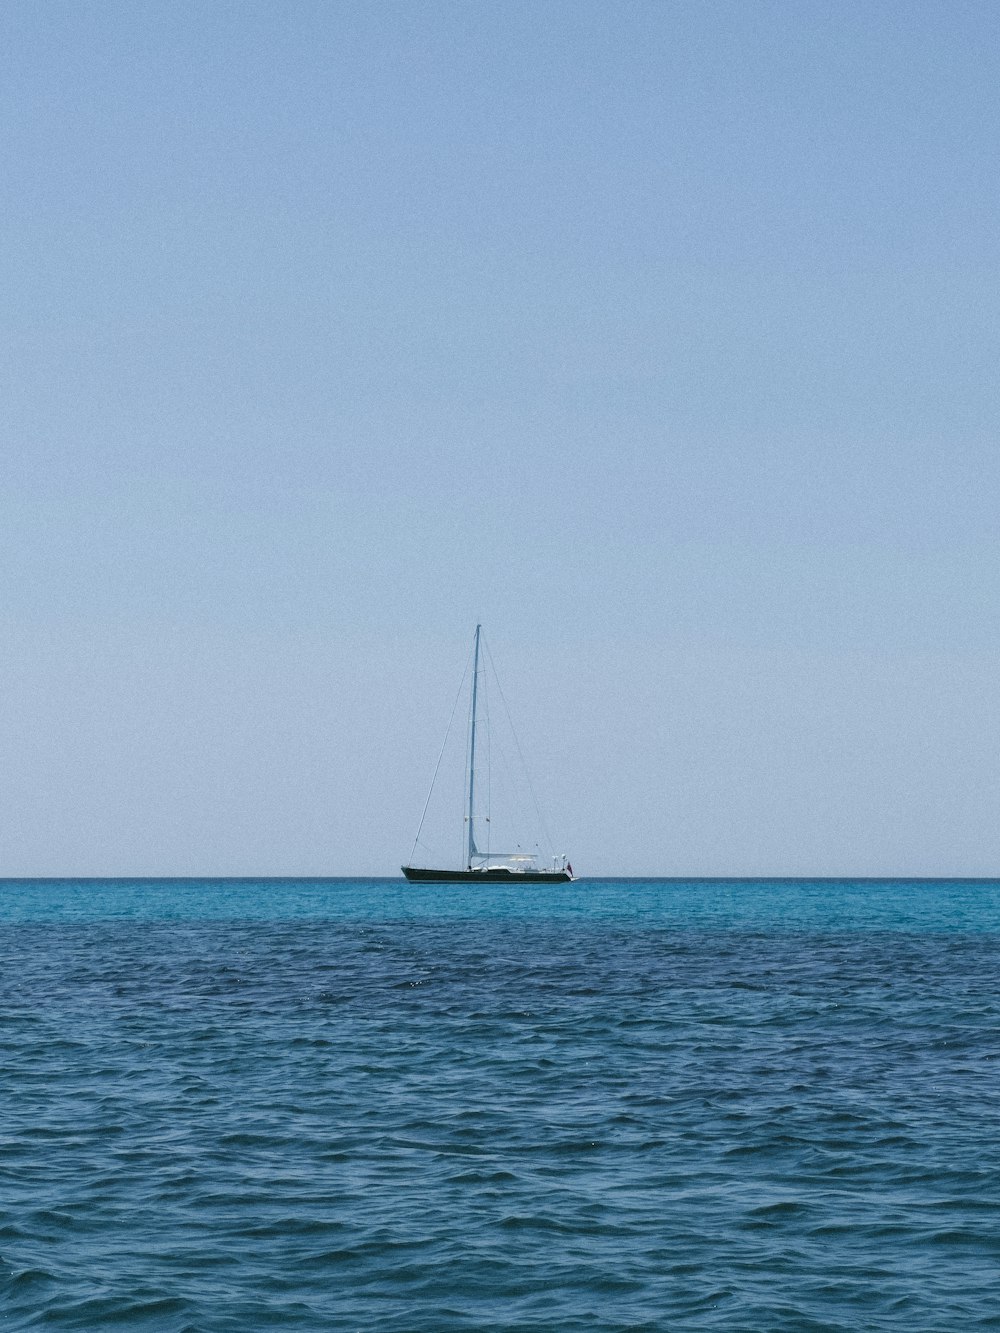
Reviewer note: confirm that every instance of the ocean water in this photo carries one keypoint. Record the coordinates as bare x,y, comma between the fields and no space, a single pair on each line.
611,1105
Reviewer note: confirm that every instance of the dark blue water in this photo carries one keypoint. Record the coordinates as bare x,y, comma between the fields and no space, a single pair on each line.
362,1105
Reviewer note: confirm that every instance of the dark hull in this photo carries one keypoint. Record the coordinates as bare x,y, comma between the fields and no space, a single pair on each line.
493,875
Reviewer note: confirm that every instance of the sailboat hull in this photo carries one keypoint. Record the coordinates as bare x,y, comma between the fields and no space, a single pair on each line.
494,874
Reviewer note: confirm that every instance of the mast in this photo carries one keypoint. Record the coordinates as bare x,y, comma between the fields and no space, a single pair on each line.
472,751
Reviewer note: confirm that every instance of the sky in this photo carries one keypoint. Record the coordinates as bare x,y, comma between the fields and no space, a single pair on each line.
660,337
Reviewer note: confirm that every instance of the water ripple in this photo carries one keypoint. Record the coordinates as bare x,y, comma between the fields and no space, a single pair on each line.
447,1123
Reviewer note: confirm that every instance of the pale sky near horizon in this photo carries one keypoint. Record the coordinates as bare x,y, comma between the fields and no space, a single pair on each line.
660,337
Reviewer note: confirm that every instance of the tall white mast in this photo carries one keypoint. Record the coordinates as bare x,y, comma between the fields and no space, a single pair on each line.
472,752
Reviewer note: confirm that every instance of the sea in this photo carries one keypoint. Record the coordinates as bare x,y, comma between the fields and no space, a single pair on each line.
355,1105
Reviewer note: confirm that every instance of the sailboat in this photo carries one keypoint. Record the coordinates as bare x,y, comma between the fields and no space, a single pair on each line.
518,867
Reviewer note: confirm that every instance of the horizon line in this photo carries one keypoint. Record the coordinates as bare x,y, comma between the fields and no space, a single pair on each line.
592,879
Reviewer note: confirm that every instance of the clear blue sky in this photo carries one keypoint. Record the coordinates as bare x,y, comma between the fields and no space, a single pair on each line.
661,337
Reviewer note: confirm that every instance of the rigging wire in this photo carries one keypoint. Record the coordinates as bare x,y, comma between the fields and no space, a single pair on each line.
511,786
489,763
451,719
510,721
468,824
